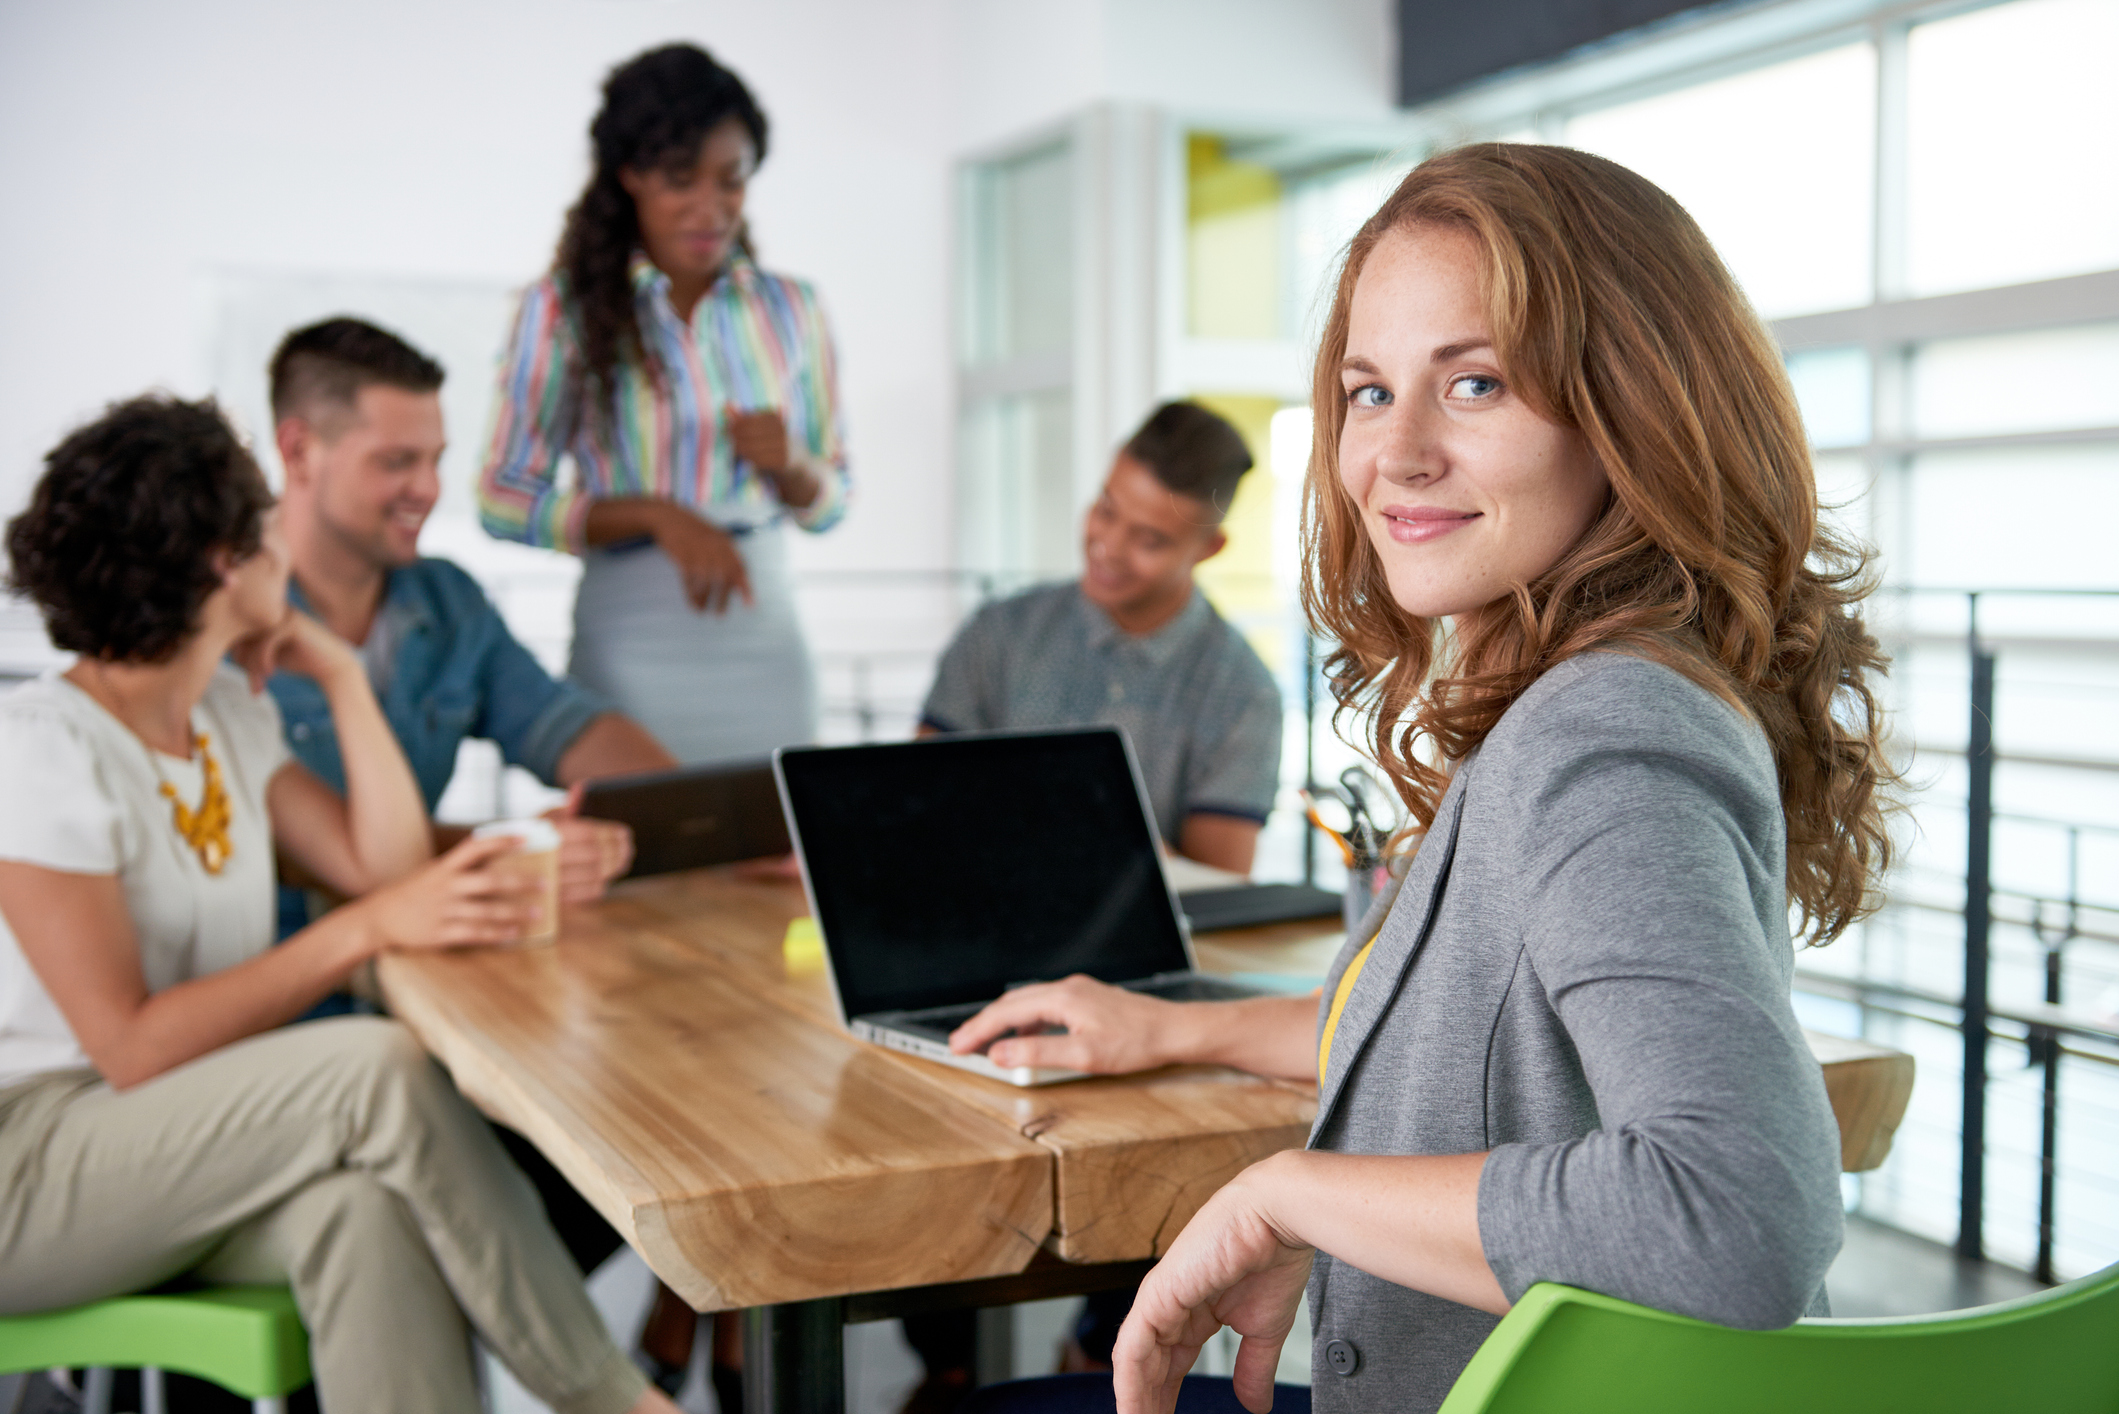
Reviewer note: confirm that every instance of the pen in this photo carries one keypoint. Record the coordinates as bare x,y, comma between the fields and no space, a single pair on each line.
1310,809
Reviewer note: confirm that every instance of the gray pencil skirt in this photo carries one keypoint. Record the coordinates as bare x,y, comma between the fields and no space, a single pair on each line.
711,687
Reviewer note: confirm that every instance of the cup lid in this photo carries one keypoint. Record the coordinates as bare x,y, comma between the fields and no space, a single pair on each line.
536,835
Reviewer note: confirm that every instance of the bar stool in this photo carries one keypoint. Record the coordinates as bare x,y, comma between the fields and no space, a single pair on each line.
247,1339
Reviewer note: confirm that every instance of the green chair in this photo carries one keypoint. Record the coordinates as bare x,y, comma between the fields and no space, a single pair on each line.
246,1339
1564,1349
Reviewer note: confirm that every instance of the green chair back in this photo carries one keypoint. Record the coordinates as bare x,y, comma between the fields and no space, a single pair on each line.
2056,1352
247,1339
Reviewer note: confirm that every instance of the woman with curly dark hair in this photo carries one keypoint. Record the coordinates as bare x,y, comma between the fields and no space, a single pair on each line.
696,396
156,1115
1562,525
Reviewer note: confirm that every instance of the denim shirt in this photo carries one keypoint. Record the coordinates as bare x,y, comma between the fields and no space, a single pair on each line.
455,672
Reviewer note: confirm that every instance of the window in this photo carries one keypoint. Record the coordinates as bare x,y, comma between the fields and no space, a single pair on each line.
2047,379
1895,191
1015,442
2014,518
1022,298
1832,386
1776,164
2012,132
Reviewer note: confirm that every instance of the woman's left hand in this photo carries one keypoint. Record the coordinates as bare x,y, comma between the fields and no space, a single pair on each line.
1234,1266
759,438
297,644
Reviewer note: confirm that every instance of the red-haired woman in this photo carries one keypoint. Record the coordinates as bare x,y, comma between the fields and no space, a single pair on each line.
1563,526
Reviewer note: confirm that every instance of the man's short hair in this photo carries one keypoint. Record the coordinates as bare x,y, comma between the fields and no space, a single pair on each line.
329,363
1192,452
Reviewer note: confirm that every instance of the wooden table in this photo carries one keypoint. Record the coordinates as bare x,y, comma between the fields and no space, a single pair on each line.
663,1057
710,1106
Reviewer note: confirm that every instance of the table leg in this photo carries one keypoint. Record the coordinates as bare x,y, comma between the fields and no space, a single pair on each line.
794,1358
994,1347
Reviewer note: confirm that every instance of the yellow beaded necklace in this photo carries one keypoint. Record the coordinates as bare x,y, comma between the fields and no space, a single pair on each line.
206,828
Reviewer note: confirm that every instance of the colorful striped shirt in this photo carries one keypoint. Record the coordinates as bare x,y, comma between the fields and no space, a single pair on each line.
756,342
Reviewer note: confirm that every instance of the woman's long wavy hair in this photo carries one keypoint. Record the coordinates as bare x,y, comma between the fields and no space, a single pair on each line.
657,108
1613,315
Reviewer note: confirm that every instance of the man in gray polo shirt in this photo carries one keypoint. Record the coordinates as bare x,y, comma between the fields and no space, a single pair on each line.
1133,643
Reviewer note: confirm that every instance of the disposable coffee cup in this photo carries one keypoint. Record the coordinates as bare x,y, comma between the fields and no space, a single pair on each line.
536,856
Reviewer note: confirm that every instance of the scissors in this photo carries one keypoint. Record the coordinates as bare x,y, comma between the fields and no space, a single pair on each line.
1309,803
1361,844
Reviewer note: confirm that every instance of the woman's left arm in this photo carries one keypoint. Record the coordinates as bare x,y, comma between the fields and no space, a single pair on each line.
1649,858
1243,1259
1646,860
377,833
809,474
761,439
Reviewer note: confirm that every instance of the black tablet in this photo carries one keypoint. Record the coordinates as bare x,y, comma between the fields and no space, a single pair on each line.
694,816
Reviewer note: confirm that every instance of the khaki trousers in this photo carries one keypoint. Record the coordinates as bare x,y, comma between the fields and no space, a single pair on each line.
335,1157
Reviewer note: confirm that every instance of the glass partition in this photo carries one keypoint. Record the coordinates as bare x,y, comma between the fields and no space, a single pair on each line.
1015,427
2012,120
1020,297
2022,518
1832,387
1015,509
2039,380
1777,164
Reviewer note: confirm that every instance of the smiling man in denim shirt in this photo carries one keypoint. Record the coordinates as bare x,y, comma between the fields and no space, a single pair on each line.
358,423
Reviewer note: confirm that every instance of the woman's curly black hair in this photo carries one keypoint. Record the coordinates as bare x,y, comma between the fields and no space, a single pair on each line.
657,108
116,547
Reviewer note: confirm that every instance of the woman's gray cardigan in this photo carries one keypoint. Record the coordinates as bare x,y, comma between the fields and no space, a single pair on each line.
1587,973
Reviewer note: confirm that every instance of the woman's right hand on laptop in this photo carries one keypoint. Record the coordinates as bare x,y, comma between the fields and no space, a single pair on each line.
1078,1024
1086,1025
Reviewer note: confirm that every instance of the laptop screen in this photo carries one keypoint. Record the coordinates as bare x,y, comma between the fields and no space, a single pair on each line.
943,871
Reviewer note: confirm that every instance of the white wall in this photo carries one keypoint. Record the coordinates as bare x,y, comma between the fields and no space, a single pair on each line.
149,148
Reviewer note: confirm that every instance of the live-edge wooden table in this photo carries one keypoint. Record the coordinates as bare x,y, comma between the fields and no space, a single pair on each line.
664,1057
758,1157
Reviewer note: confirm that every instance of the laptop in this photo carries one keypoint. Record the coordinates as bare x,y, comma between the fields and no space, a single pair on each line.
943,872
693,816
1248,905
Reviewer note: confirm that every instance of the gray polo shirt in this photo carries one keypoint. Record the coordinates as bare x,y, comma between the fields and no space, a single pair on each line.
1201,710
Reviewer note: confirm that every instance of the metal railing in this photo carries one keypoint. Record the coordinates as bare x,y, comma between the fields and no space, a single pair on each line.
1977,1012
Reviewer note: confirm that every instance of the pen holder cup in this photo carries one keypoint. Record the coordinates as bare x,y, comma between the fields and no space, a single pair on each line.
1362,884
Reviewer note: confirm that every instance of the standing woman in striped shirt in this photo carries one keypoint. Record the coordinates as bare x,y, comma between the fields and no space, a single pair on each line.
695,394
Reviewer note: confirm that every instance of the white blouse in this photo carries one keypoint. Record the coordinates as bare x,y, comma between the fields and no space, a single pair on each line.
81,794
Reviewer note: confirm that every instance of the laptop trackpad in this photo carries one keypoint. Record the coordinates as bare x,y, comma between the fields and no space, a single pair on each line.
934,1023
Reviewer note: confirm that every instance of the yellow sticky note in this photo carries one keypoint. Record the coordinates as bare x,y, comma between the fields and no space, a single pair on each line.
803,948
